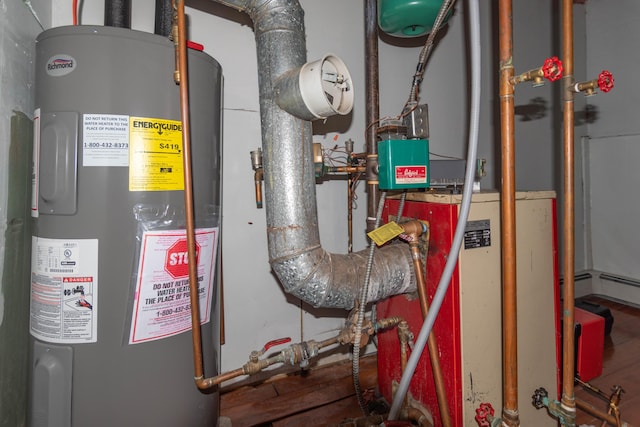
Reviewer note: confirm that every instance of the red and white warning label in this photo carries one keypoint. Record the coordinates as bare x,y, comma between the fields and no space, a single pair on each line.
411,174
161,306
64,290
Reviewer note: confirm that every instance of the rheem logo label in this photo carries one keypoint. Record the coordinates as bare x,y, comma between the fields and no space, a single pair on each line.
177,260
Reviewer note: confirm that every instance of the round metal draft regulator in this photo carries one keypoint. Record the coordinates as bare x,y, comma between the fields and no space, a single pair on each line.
317,90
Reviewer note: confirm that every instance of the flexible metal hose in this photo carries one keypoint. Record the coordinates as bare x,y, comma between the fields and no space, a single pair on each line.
452,259
355,363
363,299
426,49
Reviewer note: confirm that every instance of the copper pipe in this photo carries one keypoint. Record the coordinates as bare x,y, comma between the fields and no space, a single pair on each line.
212,382
536,75
223,336
414,230
589,87
403,336
591,410
372,106
418,417
176,38
258,176
347,169
201,383
568,259
510,414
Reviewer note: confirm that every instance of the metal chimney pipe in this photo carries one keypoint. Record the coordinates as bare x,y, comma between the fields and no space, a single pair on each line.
304,268
372,102
163,18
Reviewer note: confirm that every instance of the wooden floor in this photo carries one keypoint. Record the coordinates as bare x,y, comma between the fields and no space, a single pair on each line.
325,396
320,397
621,365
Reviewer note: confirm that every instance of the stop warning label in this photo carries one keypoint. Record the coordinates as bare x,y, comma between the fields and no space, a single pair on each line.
155,154
177,260
162,305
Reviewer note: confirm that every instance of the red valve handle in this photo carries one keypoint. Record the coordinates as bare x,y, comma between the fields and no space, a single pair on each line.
605,81
552,69
485,410
274,343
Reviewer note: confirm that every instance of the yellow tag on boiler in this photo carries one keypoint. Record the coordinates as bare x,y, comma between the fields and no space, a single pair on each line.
387,232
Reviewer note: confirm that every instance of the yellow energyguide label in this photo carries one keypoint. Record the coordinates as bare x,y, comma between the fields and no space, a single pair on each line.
155,154
387,232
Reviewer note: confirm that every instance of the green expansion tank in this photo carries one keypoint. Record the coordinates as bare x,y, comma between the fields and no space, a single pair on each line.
407,18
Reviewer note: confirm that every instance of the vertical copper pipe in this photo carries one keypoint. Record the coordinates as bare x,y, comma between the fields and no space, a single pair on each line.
223,336
258,176
568,259
403,331
508,218
438,379
188,197
372,105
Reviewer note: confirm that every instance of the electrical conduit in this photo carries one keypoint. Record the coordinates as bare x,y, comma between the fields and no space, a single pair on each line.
568,352
443,285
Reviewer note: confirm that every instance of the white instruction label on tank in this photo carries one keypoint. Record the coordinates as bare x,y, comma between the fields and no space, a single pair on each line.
105,140
161,306
64,290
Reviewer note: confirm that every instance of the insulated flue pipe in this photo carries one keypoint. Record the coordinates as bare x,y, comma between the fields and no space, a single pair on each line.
510,415
303,267
163,18
568,259
117,13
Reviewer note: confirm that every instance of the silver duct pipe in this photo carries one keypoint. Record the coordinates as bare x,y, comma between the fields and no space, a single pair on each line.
304,268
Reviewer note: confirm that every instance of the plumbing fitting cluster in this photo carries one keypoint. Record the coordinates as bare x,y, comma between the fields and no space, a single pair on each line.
604,82
566,416
301,353
550,70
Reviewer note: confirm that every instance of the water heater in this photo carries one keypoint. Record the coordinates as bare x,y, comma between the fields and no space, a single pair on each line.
110,313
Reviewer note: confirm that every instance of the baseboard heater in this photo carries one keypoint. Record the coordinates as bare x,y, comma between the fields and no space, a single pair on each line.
619,279
578,277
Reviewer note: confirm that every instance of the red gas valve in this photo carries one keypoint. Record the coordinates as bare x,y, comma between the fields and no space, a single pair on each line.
274,343
255,355
484,412
552,69
605,81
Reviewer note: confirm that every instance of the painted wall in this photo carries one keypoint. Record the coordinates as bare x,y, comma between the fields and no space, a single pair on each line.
18,29
256,308
613,147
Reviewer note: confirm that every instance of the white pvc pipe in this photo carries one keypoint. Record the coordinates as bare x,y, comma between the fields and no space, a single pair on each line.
443,285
